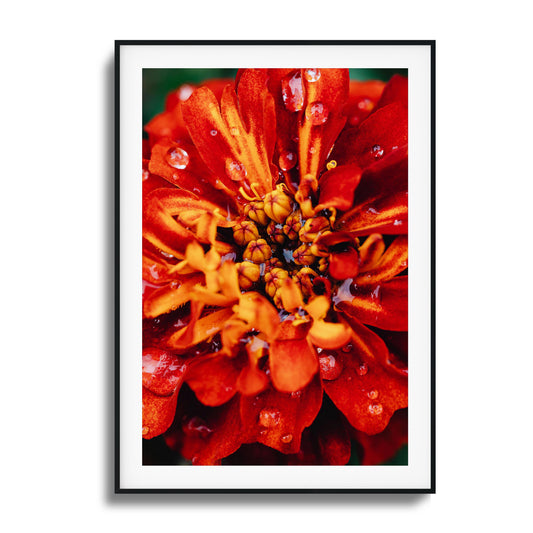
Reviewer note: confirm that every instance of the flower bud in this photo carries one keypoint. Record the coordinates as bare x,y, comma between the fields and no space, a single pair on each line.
292,225
322,264
257,251
313,227
273,262
249,273
256,211
245,232
273,280
304,279
303,255
278,205
275,232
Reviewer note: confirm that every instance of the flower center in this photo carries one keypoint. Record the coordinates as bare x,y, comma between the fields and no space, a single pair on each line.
276,242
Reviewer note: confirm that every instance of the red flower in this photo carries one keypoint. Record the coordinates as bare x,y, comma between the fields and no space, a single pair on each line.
274,269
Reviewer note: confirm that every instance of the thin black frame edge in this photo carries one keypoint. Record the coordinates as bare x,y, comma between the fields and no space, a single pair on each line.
432,46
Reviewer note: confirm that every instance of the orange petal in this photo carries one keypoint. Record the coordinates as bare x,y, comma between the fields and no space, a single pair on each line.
393,261
213,379
158,412
329,334
370,252
293,363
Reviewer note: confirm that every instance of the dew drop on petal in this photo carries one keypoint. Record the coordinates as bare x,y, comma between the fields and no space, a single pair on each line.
269,417
287,160
330,367
146,174
146,430
286,439
375,409
376,151
347,347
317,113
235,170
213,132
362,369
196,427
178,158
373,394
184,92
312,74
292,92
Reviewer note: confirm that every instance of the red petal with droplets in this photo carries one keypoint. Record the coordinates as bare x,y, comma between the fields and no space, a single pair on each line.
213,379
380,199
238,152
162,372
158,412
383,306
222,436
278,419
366,392
382,133
363,98
293,361
337,186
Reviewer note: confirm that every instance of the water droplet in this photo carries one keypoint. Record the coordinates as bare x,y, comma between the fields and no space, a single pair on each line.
146,430
194,460
213,132
196,427
362,369
184,92
292,92
146,174
377,151
375,409
178,158
317,113
312,74
286,439
347,348
312,150
330,367
174,285
296,394
235,170
287,160
269,417
373,394
234,131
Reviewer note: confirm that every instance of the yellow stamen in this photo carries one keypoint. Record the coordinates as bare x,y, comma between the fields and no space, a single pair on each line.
247,196
253,186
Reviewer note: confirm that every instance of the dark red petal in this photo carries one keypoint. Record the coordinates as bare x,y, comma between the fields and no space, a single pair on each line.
363,98
396,90
380,199
383,305
293,361
162,372
158,412
337,186
385,445
382,133
278,419
367,392
167,125
221,434
213,379
344,264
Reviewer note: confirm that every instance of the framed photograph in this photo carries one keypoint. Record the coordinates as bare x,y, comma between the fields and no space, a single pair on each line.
271,197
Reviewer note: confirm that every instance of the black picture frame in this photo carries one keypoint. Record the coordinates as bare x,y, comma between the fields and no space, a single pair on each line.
120,47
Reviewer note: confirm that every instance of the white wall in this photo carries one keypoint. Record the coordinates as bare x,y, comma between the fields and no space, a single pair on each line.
56,205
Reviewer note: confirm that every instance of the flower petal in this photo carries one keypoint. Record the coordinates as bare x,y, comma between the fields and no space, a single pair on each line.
381,199
158,412
277,419
329,335
396,90
382,133
365,391
337,186
383,305
293,360
213,379
162,372
393,261
222,433
238,152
